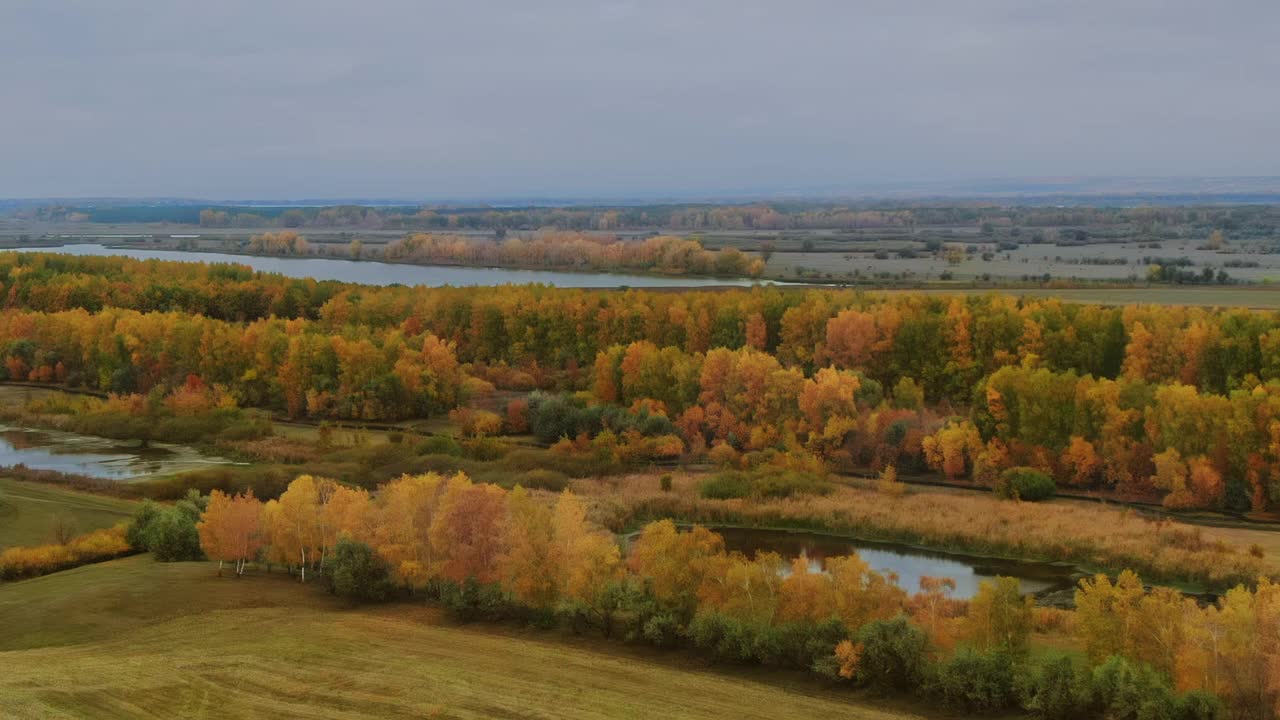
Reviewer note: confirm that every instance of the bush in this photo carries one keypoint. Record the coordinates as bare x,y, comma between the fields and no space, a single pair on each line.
140,527
662,630
1058,692
552,480
24,562
172,535
1120,690
973,682
664,483
725,486
797,645
355,572
471,600
764,482
1024,483
893,655
484,448
439,445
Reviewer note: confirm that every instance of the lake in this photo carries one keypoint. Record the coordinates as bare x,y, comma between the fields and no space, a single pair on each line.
908,563
96,456
371,272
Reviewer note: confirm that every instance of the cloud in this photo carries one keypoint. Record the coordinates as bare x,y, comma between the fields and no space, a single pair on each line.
240,99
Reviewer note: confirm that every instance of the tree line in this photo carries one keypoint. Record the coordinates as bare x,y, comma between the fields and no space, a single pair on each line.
489,553
1168,403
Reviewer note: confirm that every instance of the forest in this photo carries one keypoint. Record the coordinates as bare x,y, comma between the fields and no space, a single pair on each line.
1171,404
577,444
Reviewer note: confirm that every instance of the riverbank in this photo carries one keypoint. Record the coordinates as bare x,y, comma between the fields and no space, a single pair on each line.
1093,538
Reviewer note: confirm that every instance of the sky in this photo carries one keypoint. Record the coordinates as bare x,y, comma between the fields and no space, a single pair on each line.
240,99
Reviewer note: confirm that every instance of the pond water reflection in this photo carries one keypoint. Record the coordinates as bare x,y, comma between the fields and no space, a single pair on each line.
907,562
96,456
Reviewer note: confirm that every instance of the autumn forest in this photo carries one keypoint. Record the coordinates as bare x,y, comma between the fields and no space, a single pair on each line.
560,459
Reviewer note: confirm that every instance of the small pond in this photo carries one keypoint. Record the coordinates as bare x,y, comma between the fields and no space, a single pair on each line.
907,562
96,456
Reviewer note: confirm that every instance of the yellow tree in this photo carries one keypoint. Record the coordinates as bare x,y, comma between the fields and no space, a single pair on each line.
529,569
469,530
863,595
406,509
1081,461
231,529
348,513
298,528
1107,615
673,563
586,558
747,589
806,594
1000,616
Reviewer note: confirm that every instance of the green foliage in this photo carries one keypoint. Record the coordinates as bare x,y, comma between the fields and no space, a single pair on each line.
354,571
171,535
1121,690
552,417
726,486
1058,692
138,534
439,445
973,682
893,655
664,482
470,600
766,482
1024,483
541,479
796,645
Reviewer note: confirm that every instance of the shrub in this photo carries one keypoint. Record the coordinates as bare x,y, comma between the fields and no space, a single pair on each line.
664,483
476,423
1120,690
484,448
172,535
893,655
471,600
24,562
542,479
973,682
439,445
140,526
765,482
355,572
662,630
725,486
1058,692
1024,483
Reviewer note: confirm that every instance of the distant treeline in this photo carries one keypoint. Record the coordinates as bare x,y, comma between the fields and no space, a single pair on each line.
1241,220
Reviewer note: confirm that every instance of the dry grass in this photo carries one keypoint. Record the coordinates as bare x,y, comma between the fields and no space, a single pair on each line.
1097,537
31,513
134,638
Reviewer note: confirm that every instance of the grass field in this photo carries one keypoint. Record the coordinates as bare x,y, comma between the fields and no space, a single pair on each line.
136,638
29,511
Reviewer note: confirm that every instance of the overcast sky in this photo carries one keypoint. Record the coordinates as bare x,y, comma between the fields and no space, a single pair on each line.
260,99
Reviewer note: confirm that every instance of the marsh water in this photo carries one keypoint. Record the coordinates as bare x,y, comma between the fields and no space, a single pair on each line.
908,563
96,456
372,272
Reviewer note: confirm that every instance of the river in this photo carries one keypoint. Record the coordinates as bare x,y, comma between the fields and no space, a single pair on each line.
97,457
908,563
372,272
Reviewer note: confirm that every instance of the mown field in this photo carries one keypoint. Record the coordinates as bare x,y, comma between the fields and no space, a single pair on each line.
135,638
29,512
